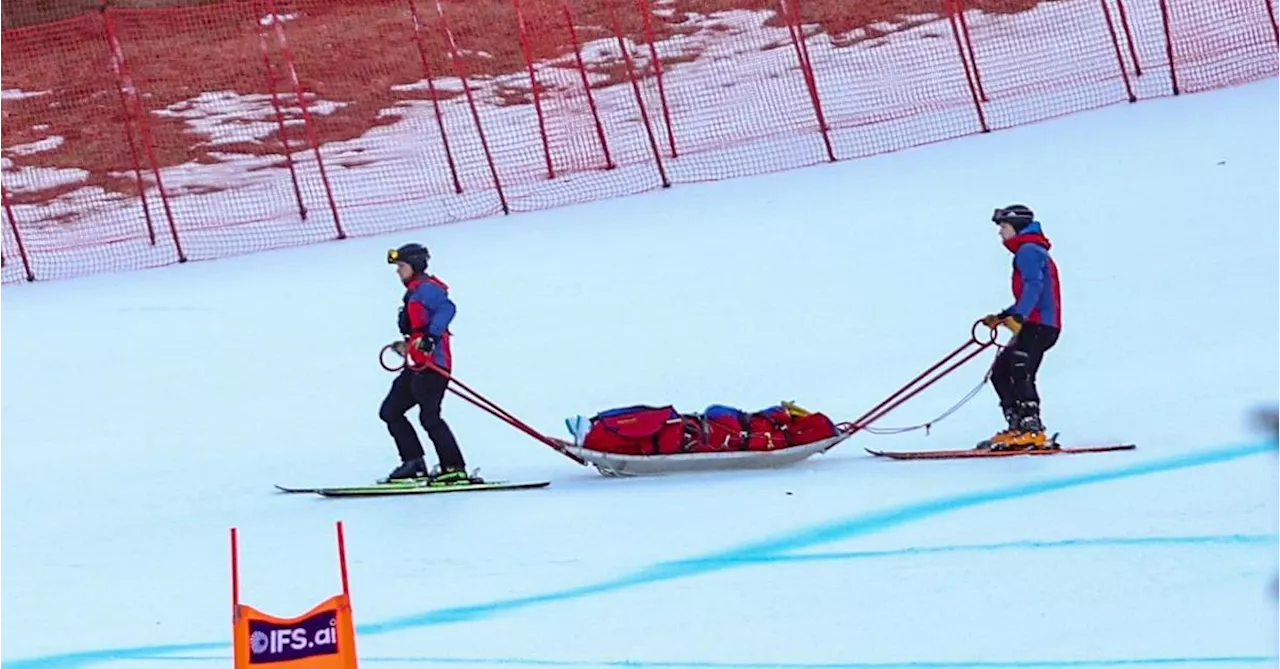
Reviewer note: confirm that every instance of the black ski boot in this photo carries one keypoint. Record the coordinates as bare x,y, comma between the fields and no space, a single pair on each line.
409,470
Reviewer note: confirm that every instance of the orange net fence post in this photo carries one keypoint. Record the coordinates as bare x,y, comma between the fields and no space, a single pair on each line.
282,133
136,114
1219,44
725,87
1029,78
1128,36
433,95
76,194
1115,43
273,23
530,96
11,231
1271,14
13,224
142,137
377,71
1167,24
791,16
541,128
621,120
224,127
534,89
572,30
633,77
964,51
591,123
1147,46
642,8
893,81
462,72
379,105
131,111
956,12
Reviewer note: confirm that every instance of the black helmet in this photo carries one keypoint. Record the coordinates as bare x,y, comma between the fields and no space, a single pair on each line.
1017,215
413,255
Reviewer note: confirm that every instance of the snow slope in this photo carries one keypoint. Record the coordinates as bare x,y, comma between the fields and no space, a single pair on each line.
148,412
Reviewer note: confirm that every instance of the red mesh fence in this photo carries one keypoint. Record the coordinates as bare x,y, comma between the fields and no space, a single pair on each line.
142,137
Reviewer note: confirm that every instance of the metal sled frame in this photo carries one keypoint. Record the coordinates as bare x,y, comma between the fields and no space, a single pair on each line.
616,464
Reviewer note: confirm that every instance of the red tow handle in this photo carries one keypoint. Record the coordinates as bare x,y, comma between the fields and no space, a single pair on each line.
966,352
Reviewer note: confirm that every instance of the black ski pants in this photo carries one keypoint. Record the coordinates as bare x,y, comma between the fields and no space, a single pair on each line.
1013,373
424,389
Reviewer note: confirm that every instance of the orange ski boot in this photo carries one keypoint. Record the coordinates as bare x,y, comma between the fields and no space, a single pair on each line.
1003,435
1033,440
1027,433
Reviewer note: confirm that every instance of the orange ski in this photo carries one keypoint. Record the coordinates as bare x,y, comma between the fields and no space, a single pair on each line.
989,453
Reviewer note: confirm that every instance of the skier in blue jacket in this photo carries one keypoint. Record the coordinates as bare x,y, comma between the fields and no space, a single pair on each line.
1035,318
424,322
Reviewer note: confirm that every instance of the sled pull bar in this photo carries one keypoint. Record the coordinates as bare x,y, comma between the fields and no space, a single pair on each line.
502,414
470,395
901,395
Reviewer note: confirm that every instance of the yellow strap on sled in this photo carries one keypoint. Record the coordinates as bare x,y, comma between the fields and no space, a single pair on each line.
795,409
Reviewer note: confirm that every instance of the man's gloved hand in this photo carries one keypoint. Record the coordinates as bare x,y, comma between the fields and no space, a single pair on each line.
424,342
1007,318
1011,320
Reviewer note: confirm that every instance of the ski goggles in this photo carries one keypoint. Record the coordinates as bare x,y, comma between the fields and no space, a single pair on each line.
1010,215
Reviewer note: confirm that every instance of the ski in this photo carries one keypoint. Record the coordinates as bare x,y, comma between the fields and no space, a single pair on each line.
383,489
293,490
990,453
412,488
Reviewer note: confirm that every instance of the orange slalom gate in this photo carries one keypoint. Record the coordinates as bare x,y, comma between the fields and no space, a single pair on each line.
322,638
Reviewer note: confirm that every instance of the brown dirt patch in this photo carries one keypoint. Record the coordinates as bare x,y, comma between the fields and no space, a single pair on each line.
358,53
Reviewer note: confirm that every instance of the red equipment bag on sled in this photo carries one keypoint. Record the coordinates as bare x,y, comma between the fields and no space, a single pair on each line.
648,430
728,428
637,430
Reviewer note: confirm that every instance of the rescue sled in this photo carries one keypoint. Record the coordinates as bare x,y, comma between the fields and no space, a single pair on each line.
654,440
644,440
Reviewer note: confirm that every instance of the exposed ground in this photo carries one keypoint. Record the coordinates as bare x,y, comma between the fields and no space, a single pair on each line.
355,56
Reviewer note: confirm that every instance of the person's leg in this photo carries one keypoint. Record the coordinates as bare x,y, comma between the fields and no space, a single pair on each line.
1002,376
1002,382
1025,361
397,403
429,388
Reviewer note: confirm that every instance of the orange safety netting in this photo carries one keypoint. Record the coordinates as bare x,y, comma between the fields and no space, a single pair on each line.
143,137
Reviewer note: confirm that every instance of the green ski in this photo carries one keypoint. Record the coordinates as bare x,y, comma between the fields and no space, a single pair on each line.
413,488
315,489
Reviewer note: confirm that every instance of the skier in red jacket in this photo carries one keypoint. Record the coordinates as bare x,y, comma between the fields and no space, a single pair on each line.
1035,318
424,320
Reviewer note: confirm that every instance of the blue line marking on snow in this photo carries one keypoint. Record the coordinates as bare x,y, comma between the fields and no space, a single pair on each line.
1095,542
751,553
859,525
